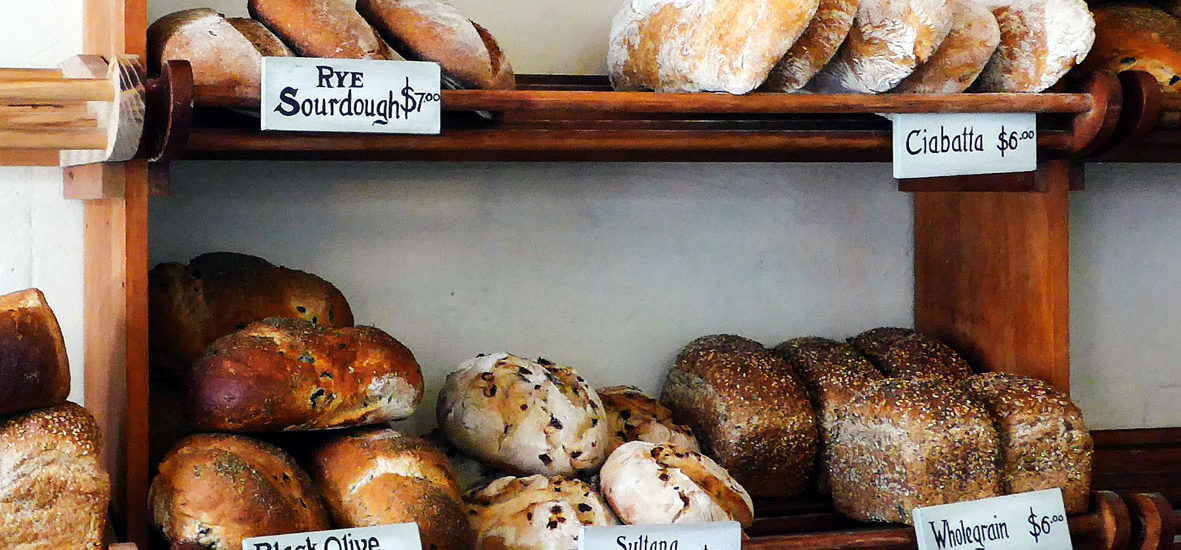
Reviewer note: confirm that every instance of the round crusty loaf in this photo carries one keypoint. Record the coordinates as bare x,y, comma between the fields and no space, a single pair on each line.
222,52
1044,443
190,306
534,513
633,416
288,374
54,492
748,411
1040,41
322,28
702,45
646,483
428,30
378,476
34,369
961,56
524,417
901,444
815,48
888,41
215,490
1137,38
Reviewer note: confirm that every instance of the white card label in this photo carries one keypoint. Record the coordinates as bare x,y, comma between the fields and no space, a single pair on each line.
1035,520
721,535
957,144
350,95
402,536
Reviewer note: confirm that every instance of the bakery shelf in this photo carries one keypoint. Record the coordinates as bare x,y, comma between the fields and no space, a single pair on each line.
1149,129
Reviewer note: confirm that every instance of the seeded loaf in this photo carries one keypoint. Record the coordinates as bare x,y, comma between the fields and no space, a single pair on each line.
815,48
1137,38
748,411
535,513
875,342
961,56
633,416
1040,41
223,52
288,374
322,28
34,369
903,353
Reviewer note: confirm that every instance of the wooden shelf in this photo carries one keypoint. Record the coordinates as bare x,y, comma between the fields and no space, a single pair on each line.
1149,129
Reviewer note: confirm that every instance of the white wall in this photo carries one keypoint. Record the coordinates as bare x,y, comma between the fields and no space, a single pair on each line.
41,234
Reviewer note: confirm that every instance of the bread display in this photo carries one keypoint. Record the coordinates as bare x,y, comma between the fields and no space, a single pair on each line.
378,476
702,45
646,483
190,306
748,411
1040,41
322,28
428,30
903,353
834,373
34,369
222,52
888,41
289,374
633,416
1044,443
271,494
814,48
961,56
901,444
1137,38
524,416
535,513
54,492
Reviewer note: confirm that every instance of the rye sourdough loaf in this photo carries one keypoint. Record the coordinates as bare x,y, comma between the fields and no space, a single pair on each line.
288,374
53,491
1044,443
815,48
702,45
226,53
1137,38
1040,41
633,416
322,28
961,56
34,369
748,411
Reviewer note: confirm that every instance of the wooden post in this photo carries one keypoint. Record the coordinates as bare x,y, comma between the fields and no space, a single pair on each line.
991,276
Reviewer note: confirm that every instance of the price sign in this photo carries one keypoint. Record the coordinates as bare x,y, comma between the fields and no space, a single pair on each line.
402,536
1035,520
929,145
720,535
350,95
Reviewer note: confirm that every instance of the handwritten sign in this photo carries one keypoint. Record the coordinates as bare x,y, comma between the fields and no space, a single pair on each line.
350,95
722,535
402,536
955,144
1026,521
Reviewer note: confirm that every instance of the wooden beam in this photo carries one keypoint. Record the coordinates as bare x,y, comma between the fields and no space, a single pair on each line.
991,276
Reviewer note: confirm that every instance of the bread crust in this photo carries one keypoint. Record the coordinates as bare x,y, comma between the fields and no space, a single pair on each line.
222,53
633,416
34,368
920,356
1137,38
814,48
1040,41
321,28
963,54
535,513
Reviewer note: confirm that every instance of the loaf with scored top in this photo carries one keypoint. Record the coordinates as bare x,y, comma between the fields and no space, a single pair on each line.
34,368
322,28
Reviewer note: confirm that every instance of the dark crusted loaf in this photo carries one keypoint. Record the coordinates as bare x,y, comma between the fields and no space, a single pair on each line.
34,371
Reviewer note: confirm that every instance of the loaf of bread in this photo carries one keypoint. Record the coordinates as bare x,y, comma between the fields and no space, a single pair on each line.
378,476
961,56
216,489
34,370
834,373
888,41
1044,443
535,513
288,374
646,483
1040,41
524,416
190,306
428,30
1137,38
633,416
901,444
54,492
815,48
223,53
903,353
748,411
702,45
322,28
875,343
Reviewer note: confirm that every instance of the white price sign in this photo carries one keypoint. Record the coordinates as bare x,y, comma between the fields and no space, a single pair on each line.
720,535
350,95
402,536
957,144
1024,521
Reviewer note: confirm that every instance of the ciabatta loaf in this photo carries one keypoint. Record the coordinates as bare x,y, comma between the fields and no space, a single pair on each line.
34,369
815,48
963,54
1040,41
